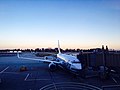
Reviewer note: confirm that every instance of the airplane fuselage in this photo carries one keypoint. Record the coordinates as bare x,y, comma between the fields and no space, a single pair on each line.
69,62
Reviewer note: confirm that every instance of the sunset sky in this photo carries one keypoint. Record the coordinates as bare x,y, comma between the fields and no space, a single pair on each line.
75,23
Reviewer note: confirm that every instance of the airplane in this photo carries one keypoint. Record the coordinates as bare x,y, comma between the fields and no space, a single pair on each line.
64,61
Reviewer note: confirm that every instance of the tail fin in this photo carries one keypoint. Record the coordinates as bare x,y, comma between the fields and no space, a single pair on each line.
59,47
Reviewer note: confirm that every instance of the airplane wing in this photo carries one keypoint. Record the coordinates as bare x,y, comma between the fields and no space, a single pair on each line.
35,59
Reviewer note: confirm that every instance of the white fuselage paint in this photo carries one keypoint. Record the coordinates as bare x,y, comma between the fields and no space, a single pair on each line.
71,62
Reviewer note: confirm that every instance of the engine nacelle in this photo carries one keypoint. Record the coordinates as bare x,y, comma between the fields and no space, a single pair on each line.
52,66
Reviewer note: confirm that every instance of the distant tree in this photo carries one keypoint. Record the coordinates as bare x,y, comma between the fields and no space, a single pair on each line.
37,50
78,50
42,49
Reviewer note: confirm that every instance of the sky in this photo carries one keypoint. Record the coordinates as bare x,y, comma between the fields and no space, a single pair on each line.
76,24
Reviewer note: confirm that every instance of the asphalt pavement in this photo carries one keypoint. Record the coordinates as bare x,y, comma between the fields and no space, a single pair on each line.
39,77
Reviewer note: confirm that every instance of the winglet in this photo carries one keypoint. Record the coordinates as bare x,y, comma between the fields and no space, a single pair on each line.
59,47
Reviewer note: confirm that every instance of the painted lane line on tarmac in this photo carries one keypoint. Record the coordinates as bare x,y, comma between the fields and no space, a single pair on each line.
12,72
114,80
53,80
110,86
37,79
26,77
4,69
70,85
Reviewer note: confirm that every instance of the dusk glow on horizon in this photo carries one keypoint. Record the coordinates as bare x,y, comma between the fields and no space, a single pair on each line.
76,24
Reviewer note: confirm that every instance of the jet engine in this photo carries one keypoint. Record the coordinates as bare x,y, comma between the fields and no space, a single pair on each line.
52,66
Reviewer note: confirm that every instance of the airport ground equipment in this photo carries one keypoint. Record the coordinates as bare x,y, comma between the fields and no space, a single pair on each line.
23,68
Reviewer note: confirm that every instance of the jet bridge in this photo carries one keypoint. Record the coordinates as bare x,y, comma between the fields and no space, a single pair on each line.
109,59
103,62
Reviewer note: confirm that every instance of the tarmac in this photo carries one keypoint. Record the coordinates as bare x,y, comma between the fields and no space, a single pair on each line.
39,77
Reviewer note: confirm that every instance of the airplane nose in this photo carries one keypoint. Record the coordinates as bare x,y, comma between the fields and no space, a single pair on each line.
76,66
